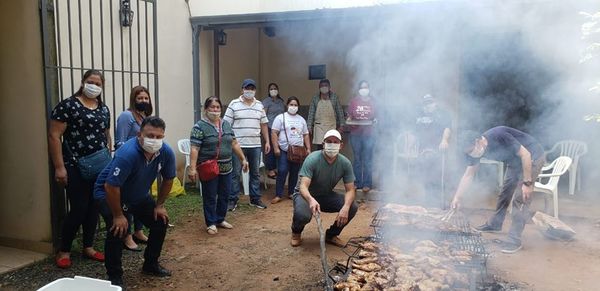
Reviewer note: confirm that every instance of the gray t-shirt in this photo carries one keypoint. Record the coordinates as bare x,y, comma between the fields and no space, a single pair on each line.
273,108
325,176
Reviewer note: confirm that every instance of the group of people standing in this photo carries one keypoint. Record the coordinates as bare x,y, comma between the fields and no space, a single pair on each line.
114,186
118,186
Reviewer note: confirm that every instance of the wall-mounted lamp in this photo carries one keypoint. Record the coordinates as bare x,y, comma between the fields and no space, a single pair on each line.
221,37
125,13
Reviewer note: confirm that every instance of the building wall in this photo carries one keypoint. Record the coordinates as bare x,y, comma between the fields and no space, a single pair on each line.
226,7
24,192
238,60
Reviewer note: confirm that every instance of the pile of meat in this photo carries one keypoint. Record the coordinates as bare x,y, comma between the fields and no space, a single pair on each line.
408,265
415,218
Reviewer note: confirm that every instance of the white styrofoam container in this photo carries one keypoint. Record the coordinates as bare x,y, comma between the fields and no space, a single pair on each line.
79,283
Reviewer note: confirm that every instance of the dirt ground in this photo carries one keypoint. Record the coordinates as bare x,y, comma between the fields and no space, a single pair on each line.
256,255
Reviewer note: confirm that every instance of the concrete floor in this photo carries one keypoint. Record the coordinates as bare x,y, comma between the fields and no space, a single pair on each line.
11,258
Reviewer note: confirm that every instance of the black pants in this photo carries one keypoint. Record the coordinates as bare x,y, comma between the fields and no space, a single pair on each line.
329,203
82,210
513,180
113,246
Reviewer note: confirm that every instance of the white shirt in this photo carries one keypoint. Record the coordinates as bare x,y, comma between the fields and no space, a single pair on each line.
245,121
296,129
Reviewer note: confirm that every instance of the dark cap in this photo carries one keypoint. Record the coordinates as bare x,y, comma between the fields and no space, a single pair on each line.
428,98
248,82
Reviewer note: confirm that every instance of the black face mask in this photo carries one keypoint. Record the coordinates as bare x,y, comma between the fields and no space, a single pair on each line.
142,106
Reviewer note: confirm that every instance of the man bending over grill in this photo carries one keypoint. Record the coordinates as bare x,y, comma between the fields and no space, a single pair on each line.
524,158
319,174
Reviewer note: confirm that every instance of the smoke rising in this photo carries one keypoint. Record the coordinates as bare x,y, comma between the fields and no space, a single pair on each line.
490,63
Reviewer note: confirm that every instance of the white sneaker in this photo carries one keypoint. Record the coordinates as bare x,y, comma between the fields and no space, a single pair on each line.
225,224
212,229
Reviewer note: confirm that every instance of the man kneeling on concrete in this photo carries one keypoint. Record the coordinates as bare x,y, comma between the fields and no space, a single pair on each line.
123,187
319,174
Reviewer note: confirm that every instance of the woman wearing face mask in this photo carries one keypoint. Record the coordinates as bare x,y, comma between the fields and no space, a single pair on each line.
361,115
128,126
274,105
289,129
212,137
83,123
325,113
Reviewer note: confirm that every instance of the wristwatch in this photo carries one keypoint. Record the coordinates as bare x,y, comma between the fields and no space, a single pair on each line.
527,183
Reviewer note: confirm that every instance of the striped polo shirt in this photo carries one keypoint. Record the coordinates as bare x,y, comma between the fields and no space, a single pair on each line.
245,121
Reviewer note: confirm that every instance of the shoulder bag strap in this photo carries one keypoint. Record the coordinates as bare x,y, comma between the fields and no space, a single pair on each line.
285,132
219,143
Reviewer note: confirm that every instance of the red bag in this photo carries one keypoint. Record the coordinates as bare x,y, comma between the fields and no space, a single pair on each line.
209,169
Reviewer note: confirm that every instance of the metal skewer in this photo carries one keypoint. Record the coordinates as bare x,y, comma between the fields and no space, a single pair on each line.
328,283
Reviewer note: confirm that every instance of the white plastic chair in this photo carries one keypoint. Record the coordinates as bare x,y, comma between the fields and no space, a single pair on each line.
406,147
246,177
558,167
185,148
573,149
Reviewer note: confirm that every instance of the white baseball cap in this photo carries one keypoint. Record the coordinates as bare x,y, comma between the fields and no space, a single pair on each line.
332,132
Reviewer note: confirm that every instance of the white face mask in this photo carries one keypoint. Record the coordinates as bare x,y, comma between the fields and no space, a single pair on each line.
292,109
429,108
91,91
213,115
249,94
152,145
331,149
364,92
273,92
324,90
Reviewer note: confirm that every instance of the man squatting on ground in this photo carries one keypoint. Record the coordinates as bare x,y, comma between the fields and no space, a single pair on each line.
123,187
319,174
524,159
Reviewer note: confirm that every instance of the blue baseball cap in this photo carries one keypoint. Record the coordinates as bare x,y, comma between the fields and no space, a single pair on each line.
248,82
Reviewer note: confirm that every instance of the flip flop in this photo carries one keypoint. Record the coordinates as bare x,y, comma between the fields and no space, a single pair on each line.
139,241
138,249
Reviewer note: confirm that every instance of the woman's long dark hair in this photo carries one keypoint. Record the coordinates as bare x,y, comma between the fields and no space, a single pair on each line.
135,91
86,75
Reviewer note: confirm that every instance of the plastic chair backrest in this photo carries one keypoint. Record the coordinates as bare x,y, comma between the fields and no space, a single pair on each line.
184,147
407,145
559,167
570,148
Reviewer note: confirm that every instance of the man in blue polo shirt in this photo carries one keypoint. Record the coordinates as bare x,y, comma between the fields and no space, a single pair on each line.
524,157
123,187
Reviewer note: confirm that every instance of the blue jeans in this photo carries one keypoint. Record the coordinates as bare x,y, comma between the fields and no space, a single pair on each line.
253,157
362,149
270,159
286,166
215,195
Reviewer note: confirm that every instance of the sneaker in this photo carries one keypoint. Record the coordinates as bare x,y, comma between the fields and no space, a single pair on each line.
510,247
296,239
258,204
231,206
336,241
488,228
156,270
275,200
212,230
225,224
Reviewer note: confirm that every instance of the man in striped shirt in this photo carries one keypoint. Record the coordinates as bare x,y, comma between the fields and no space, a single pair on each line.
248,121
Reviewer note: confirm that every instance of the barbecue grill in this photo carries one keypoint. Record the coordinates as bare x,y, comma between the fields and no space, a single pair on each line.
461,238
